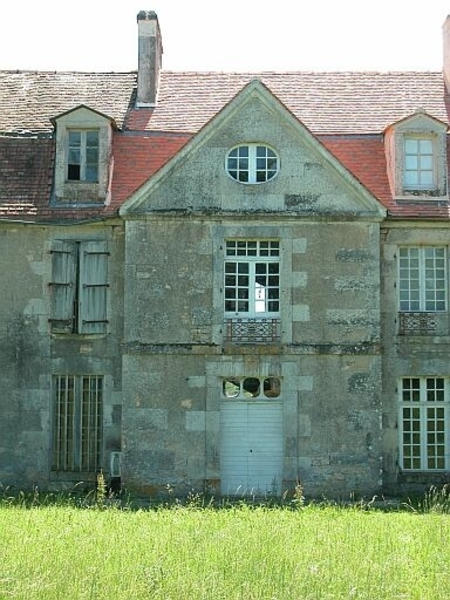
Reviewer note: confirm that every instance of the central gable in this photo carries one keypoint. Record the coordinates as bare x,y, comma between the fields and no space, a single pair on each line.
309,180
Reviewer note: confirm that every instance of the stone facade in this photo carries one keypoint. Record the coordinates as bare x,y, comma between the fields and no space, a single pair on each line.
31,356
408,352
328,357
118,343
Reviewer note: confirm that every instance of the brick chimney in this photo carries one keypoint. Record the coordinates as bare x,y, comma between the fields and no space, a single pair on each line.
446,35
149,58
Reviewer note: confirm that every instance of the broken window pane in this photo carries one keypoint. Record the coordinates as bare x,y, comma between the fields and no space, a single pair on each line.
82,156
251,386
231,388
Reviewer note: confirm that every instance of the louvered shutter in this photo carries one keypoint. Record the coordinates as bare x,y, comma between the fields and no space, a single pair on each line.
63,286
93,287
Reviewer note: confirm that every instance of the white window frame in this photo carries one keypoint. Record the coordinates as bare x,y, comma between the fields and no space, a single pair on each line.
416,441
83,155
256,296
252,163
420,156
421,281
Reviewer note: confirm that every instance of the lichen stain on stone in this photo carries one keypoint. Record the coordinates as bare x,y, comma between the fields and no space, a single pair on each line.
353,255
293,200
359,382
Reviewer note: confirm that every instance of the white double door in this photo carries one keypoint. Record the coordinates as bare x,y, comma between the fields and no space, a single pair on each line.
251,448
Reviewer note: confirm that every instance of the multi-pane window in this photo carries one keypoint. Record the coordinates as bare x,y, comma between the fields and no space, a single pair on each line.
82,158
418,171
423,278
424,406
77,423
252,163
252,278
79,286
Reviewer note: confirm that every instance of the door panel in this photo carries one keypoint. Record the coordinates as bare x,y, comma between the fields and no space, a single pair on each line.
251,450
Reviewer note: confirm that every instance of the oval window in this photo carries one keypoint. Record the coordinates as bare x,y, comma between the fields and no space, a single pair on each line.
252,163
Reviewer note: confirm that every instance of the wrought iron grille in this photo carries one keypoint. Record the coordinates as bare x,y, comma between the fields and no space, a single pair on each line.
77,423
253,331
417,323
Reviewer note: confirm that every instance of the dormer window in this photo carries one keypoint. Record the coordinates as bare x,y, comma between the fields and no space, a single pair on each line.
83,151
416,151
83,159
418,173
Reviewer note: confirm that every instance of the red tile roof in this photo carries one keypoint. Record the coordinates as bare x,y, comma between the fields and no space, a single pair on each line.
348,112
25,175
364,156
136,158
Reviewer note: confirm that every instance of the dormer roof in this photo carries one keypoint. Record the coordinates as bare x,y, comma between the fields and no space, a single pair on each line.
419,113
66,113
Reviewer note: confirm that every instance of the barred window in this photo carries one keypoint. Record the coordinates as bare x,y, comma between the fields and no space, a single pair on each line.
422,278
424,406
252,278
77,423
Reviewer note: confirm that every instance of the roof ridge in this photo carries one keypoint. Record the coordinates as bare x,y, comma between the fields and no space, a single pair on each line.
300,72
68,72
209,72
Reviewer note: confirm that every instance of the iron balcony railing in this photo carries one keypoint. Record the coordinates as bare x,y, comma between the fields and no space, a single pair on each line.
417,323
252,331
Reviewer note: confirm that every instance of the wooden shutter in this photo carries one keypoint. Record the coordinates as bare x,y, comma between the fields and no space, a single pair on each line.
93,287
63,286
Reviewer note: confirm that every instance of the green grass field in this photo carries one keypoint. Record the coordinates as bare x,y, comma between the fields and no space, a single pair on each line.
61,551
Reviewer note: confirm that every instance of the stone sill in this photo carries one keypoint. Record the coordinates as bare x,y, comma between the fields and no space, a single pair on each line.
422,339
288,349
252,348
422,199
80,337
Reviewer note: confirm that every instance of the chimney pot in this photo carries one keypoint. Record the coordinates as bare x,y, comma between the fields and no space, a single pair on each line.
146,15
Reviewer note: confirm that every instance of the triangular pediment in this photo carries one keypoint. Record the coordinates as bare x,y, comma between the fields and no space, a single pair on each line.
310,181
419,118
82,114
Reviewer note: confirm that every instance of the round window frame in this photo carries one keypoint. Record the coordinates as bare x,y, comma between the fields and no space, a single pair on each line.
262,395
253,144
